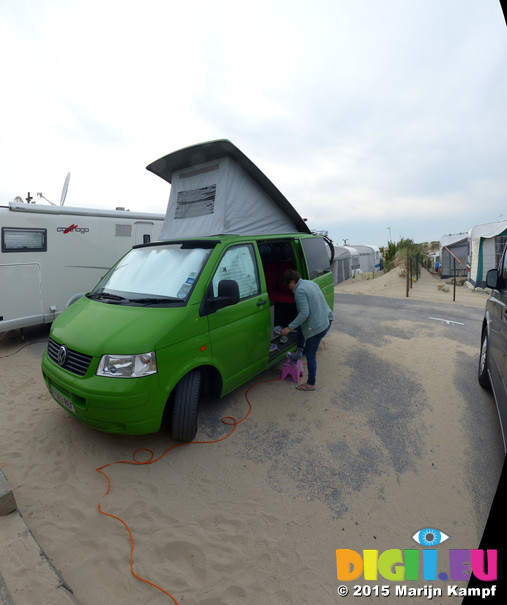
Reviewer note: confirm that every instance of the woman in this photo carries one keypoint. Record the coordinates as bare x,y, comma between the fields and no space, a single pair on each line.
312,322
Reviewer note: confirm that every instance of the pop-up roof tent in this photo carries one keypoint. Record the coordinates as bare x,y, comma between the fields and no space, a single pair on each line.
216,189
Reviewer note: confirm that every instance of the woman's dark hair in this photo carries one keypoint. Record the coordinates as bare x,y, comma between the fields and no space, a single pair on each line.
291,275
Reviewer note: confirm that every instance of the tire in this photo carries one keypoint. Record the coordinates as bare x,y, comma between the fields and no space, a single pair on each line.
483,374
185,407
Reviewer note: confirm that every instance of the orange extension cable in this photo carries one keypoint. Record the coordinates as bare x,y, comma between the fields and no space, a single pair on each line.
228,420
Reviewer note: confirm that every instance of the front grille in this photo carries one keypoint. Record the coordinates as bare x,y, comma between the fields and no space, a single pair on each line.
75,362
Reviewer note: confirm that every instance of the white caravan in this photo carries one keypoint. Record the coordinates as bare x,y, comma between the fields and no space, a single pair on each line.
48,253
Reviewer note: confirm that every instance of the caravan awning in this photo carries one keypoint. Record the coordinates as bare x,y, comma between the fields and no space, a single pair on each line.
487,230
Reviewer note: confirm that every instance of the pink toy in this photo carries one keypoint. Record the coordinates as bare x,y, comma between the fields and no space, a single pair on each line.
294,370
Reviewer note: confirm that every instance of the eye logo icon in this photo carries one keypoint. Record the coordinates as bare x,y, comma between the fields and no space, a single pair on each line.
405,565
429,536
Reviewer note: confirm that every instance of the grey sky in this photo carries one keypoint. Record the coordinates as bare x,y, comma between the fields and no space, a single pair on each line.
366,114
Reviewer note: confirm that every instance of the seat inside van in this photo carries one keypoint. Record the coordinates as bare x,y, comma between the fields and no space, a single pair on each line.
277,257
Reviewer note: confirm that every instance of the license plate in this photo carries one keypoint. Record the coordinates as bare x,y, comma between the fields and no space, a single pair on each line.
63,400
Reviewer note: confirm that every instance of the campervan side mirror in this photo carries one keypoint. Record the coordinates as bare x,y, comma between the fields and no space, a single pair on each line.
492,278
73,299
227,295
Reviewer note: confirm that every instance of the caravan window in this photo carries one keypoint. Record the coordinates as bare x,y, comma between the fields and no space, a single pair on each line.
15,239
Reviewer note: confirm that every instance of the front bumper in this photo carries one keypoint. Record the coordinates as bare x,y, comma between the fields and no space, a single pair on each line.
131,406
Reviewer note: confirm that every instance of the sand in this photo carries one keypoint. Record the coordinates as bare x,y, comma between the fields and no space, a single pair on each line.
394,285
255,518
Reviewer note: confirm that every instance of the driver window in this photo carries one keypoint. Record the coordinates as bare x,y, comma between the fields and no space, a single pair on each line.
239,264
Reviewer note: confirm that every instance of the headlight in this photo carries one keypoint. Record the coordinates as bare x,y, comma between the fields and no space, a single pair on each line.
127,366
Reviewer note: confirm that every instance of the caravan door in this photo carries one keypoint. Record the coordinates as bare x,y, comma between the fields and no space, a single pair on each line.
20,294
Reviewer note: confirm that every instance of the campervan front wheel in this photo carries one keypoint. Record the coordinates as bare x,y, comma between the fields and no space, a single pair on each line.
185,407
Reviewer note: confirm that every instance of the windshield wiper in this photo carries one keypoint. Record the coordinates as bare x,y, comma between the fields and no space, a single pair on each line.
154,301
106,296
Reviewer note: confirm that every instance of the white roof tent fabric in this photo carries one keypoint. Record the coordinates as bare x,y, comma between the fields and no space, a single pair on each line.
216,189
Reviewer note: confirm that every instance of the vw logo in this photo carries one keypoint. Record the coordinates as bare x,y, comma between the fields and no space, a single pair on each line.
62,355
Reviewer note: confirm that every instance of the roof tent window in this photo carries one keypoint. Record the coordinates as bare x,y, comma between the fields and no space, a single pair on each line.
195,202
16,239
316,256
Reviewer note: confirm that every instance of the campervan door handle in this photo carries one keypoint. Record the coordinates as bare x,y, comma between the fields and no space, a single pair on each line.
261,302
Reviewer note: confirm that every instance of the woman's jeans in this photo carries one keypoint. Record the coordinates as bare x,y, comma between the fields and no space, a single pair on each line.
311,346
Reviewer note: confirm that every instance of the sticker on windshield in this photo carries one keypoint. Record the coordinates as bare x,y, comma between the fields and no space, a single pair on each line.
186,287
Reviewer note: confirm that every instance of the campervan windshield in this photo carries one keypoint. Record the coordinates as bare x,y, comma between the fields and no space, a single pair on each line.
153,275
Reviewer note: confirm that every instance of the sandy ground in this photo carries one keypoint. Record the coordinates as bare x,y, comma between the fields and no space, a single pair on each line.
255,518
394,285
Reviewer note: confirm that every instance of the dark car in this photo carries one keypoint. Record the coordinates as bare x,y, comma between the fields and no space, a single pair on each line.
493,360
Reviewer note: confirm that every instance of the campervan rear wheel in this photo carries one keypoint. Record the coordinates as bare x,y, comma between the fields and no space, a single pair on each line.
483,362
186,403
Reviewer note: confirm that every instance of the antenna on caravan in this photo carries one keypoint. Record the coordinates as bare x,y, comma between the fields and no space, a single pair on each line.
64,190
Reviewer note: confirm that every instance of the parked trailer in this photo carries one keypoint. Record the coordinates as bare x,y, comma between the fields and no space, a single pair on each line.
342,264
355,266
48,253
369,258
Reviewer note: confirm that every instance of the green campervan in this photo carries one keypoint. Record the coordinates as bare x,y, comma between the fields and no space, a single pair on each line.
192,314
